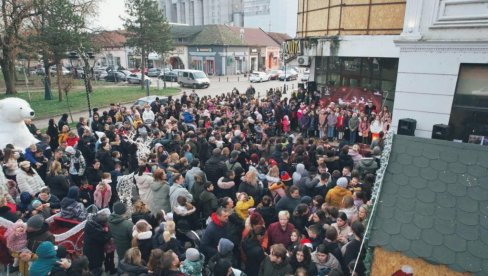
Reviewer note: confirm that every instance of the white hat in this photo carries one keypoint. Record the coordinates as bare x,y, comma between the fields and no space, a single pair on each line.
70,150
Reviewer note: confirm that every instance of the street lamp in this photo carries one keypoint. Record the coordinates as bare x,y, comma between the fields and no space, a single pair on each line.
75,60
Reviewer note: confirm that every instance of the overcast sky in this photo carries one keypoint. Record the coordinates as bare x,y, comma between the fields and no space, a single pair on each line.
108,14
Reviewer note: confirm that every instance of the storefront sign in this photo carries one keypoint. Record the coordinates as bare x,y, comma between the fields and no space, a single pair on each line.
292,47
204,49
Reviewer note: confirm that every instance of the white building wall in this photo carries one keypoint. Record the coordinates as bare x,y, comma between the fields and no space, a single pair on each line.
438,36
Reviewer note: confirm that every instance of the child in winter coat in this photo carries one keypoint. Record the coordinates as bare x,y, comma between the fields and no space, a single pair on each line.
226,185
86,193
243,204
286,124
103,192
17,240
193,264
184,207
142,238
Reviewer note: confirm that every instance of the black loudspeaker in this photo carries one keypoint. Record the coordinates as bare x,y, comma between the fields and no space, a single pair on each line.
407,127
441,132
311,86
301,85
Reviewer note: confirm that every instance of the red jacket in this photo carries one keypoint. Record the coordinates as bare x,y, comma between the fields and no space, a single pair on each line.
275,234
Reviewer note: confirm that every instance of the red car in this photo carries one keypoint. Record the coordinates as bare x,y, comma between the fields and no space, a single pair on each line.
136,70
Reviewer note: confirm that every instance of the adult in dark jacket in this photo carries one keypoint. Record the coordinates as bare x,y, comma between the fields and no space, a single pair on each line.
225,250
290,201
105,157
352,249
345,160
56,181
94,173
214,167
267,211
208,200
37,232
96,236
217,228
120,228
46,197
276,263
302,258
254,253
307,183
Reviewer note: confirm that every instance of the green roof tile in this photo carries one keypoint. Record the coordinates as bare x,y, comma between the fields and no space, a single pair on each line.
434,203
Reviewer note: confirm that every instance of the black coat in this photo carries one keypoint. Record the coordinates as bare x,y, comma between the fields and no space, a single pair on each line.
131,270
269,214
254,255
94,243
58,184
214,169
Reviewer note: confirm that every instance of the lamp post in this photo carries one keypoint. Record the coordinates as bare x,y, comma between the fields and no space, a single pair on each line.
75,60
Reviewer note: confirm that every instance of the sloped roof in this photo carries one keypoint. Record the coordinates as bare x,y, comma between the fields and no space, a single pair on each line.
279,37
434,203
182,31
110,39
254,36
216,35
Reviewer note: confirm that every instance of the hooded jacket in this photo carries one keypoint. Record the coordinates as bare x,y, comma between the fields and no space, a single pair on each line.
121,230
160,193
335,195
131,270
299,173
331,263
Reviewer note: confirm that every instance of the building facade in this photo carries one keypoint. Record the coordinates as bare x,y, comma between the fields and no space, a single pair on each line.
443,70
352,45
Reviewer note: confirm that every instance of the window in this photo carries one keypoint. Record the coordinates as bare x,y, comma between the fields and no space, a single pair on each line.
469,113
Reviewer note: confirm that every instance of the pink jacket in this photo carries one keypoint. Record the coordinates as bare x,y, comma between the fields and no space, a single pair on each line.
102,199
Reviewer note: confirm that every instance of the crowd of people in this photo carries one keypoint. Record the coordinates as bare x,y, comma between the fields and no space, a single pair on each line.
226,185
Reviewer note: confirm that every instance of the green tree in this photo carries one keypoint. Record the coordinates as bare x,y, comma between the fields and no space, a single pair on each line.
12,17
147,30
59,28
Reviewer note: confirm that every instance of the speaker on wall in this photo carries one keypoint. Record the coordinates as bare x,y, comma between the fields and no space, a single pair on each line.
441,132
407,127
311,86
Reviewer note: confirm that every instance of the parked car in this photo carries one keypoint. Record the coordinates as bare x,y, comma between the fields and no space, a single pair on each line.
259,77
305,77
64,71
136,78
274,74
115,76
150,99
169,76
154,72
288,75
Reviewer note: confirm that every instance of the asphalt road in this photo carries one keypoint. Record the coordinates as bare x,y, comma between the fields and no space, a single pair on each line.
218,85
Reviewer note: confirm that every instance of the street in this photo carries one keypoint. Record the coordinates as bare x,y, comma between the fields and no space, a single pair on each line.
218,85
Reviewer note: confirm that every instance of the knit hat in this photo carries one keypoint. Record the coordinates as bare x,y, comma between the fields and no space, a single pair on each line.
36,203
342,182
272,162
73,192
70,150
24,164
307,243
120,208
225,246
35,223
192,255
285,176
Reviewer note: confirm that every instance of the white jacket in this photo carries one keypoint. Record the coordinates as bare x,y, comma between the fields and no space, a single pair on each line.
143,183
31,184
148,115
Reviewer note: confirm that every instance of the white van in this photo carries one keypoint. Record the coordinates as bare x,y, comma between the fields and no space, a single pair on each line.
193,78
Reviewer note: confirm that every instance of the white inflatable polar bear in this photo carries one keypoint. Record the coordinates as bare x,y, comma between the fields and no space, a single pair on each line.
12,127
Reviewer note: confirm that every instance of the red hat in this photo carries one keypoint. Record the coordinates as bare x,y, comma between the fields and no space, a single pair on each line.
285,176
306,242
272,162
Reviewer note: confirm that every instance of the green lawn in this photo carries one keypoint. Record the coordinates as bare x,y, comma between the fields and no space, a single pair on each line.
101,97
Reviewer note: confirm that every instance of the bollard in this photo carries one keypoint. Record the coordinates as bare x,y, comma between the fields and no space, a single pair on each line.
292,86
227,79
237,79
219,78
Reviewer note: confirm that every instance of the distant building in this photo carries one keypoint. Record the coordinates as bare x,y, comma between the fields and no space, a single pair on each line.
203,12
271,15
